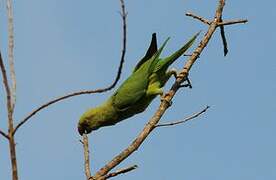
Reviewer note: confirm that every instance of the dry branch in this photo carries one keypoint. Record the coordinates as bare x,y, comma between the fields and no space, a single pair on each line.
205,21
5,82
86,156
231,22
184,120
121,171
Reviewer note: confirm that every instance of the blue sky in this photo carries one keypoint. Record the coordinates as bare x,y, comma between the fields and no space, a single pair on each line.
64,46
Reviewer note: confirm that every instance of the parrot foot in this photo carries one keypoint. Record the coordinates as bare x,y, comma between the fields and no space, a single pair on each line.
173,71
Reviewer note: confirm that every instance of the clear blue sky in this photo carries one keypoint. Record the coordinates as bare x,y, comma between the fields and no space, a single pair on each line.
64,46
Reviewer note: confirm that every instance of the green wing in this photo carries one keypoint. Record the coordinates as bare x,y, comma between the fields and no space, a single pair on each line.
135,87
150,52
166,62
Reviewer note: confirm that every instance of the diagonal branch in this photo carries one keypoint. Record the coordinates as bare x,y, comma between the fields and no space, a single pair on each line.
184,120
101,90
164,104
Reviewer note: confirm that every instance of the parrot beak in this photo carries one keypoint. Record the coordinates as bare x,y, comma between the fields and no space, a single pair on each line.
84,129
81,130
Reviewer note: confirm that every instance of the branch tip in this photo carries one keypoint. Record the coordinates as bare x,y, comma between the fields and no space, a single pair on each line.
184,120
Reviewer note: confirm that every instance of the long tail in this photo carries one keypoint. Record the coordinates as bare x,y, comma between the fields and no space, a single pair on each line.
166,62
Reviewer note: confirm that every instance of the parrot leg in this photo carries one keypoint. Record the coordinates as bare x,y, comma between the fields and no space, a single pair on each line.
155,91
171,72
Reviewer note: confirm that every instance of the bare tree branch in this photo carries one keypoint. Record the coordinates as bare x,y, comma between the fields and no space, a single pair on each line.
231,22
184,120
4,134
86,156
205,21
121,171
10,52
101,90
164,104
5,82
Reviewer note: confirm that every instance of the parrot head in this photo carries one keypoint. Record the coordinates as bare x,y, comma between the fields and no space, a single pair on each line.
94,118
88,122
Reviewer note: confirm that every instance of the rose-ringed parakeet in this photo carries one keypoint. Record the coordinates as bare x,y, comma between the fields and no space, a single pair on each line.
137,91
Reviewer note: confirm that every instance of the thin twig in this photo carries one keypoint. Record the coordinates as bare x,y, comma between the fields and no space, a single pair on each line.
86,156
231,22
4,134
184,120
121,171
223,37
5,82
119,72
10,52
205,21
7,89
164,104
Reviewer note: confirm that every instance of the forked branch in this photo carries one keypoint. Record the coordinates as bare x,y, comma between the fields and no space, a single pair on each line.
221,24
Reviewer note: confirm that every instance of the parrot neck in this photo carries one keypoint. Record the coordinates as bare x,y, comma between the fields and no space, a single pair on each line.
106,113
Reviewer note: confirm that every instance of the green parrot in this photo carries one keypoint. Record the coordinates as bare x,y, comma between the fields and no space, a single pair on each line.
137,91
